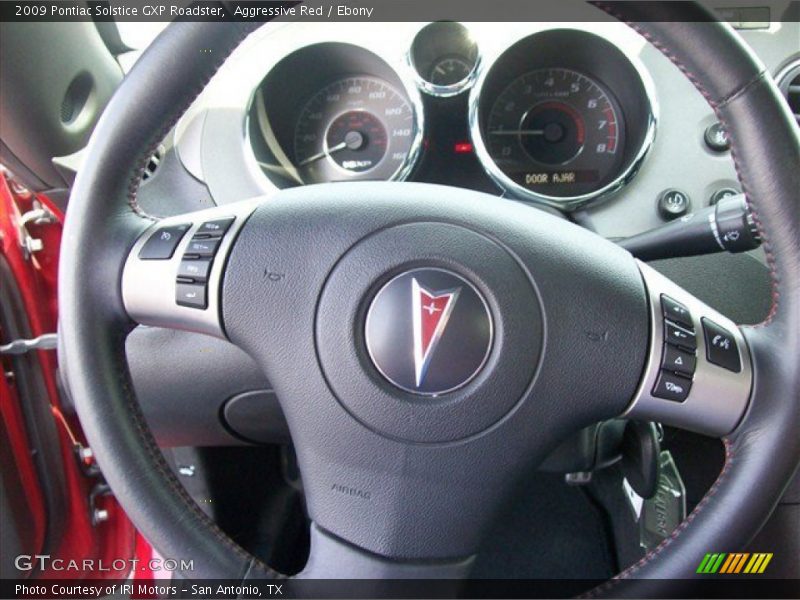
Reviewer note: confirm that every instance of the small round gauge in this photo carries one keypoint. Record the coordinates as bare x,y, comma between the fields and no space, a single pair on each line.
354,128
445,58
450,71
556,132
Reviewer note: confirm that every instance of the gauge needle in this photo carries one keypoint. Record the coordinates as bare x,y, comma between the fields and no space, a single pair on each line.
517,132
354,140
323,154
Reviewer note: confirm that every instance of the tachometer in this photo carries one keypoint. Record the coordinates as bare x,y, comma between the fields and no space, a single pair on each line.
556,132
354,129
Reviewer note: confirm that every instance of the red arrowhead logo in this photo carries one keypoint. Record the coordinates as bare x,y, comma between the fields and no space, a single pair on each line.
431,311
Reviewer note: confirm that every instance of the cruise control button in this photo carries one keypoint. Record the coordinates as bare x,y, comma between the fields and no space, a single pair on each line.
671,387
192,295
721,346
675,311
678,336
161,244
215,228
677,360
196,270
202,248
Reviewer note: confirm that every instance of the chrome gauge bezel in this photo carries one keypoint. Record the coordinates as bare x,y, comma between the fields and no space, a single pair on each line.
442,91
406,86
564,203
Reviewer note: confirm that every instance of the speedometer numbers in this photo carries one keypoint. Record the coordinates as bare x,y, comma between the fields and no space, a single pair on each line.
354,128
556,132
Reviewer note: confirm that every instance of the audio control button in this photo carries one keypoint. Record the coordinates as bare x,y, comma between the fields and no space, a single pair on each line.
671,387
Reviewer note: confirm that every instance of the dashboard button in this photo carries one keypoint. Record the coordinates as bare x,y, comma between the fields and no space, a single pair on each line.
675,359
215,228
192,295
721,347
673,203
202,248
195,270
678,336
722,193
675,311
671,387
161,245
716,138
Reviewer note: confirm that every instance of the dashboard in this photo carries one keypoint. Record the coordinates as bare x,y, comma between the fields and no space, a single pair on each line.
581,118
563,128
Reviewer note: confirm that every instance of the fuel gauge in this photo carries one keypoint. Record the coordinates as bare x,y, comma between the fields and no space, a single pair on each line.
449,71
445,58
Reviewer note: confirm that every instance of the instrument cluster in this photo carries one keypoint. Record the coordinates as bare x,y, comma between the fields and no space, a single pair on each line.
562,117
335,112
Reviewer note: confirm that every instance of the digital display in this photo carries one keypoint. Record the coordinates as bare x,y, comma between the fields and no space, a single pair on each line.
558,178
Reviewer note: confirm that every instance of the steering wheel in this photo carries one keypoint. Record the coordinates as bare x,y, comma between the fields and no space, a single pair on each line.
428,344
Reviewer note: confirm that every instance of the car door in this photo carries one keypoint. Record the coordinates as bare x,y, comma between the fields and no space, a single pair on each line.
55,80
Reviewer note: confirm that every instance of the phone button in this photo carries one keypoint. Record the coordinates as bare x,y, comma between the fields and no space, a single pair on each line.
721,346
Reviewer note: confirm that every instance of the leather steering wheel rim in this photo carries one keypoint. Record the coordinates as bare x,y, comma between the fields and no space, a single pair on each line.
104,221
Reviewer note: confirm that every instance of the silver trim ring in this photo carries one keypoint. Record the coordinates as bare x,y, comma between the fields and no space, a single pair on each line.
567,203
718,398
412,95
148,286
442,91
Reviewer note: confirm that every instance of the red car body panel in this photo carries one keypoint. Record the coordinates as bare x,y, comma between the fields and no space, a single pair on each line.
89,547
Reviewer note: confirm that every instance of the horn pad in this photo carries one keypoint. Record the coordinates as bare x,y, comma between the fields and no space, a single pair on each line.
447,328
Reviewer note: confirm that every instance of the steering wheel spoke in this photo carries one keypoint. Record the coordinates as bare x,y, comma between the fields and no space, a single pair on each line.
698,374
174,271
333,558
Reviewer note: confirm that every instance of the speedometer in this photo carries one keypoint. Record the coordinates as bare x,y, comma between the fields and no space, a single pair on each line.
556,132
356,128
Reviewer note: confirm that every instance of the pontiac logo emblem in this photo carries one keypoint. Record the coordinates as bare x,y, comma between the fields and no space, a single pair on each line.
428,331
431,311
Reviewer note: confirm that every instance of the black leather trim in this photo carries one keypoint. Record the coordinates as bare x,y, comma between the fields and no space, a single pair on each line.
695,42
102,223
764,452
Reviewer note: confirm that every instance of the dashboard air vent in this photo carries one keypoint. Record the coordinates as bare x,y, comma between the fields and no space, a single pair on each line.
789,84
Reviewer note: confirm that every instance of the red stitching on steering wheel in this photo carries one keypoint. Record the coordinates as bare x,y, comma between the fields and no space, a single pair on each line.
252,564
138,171
652,554
716,106
775,291
771,261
